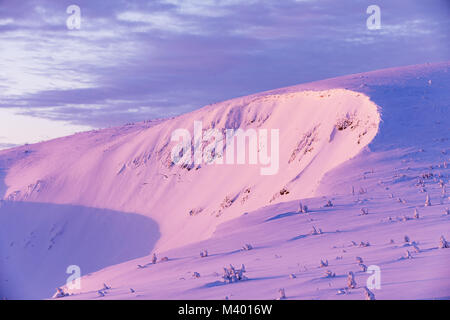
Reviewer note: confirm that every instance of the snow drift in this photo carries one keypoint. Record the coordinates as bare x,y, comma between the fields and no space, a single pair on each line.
324,129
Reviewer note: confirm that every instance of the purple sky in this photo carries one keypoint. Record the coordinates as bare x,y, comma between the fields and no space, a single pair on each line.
137,60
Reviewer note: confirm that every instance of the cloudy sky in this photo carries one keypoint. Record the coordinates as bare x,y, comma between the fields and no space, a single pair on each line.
136,60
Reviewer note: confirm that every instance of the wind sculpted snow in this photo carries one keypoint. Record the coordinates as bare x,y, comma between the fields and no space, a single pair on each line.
361,152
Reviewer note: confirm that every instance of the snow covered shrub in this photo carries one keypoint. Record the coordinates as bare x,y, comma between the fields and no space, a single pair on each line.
364,211
203,253
164,259
443,243
247,247
364,244
195,211
351,283
342,291
227,202
344,123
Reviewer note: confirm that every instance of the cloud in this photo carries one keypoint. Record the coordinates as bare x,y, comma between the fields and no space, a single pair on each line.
134,60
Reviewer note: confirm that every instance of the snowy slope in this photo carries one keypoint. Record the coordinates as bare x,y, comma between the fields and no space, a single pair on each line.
117,189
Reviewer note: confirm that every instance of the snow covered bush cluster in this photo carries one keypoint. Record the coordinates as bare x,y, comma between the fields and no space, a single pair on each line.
345,122
232,274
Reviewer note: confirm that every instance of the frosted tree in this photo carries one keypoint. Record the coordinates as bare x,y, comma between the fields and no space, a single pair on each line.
233,275
329,274
329,204
443,243
315,231
282,294
408,255
300,207
427,201
60,293
369,294
351,283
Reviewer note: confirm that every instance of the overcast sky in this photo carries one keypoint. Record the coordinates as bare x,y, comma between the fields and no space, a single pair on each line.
137,60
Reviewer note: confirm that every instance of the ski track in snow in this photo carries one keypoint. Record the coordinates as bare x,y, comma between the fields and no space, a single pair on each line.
104,198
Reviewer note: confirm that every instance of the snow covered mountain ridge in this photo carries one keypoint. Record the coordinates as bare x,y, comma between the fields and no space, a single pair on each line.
121,189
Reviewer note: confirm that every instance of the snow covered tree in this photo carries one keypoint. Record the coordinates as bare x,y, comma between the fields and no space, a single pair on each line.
282,294
408,255
369,294
351,283
60,293
427,201
315,231
300,207
329,274
443,243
